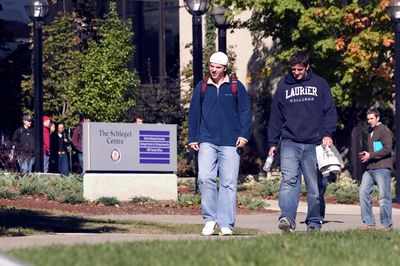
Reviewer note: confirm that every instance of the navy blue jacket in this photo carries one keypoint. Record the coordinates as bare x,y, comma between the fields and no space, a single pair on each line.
303,111
221,118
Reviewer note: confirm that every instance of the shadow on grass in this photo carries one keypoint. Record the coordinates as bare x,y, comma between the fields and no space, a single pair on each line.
16,219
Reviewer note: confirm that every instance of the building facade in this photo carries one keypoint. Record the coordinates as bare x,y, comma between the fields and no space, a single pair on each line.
162,32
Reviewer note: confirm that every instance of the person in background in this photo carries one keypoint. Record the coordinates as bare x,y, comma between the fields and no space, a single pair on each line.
138,119
219,127
77,139
24,143
379,161
59,151
52,128
46,142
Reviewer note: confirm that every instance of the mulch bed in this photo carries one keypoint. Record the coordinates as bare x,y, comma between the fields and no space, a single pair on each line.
125,208
40,202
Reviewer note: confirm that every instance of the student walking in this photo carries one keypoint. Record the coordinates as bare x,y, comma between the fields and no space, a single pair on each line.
379,161
303,115
219,127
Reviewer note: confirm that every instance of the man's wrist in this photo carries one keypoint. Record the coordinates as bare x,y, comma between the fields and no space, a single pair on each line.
244,139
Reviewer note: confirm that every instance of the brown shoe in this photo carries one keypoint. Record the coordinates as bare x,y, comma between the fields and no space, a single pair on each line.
375,227
386,229
367,227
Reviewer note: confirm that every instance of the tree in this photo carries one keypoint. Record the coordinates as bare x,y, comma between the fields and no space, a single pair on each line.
61,64
349,42
104,87
93,79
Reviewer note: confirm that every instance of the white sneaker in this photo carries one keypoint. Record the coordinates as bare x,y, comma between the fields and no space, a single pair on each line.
225,231
209,228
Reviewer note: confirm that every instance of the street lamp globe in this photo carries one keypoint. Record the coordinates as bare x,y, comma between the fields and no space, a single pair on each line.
218,17
37,9
197,7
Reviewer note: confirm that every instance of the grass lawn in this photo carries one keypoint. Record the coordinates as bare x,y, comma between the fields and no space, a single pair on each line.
320,248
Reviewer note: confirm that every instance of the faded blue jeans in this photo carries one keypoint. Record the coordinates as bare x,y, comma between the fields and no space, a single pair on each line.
26,163
297,158
63,164
218,204
46,159
382,179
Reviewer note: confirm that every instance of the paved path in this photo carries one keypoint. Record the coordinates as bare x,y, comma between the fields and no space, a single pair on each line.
338,217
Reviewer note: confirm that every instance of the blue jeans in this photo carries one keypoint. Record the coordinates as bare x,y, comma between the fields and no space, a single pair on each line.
322,184
63,164
80,157
218,204
25,164
297,158
382,179
46,160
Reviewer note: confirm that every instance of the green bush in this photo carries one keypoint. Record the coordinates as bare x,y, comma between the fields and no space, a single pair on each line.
268,188
186,200
108,201
250,202
8,194
64,189
73,199
346,191
303,189
141,200
8,179
30,185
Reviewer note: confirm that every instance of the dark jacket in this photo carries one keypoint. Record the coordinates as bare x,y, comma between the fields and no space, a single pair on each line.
381,151
24,141
219,118
303,111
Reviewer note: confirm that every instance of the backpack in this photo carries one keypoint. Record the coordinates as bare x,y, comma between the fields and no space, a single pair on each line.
234,87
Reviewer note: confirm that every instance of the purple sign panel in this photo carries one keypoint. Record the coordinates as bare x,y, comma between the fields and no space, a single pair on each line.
154,147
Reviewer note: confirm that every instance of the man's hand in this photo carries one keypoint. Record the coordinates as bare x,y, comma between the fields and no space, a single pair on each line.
194,146
271,151
365,157
327,142
241,142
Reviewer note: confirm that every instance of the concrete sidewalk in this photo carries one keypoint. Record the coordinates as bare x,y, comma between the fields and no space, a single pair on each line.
339,217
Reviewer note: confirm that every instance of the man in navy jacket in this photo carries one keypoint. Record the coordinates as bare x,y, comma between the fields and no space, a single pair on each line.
303,115
219,126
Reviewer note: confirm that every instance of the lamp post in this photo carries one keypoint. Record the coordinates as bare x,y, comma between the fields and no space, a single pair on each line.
197,8
221,23
37,10
394,12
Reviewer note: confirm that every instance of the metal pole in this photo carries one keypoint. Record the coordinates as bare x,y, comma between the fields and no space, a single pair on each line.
38,94
222,39
197,65
197,50
161,41
397,99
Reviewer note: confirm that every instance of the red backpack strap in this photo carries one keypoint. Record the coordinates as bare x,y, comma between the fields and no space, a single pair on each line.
234,86
204,86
